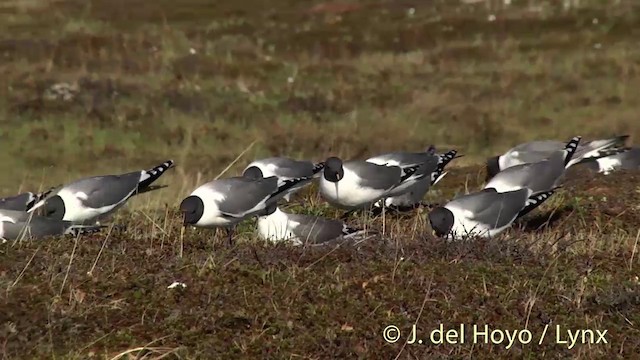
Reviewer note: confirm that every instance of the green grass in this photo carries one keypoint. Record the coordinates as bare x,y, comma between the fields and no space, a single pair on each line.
200,82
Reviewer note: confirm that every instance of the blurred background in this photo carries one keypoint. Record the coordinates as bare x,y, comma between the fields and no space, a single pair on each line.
100,86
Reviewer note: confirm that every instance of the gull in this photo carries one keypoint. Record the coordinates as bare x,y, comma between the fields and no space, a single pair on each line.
484,214
275,225
226,202
357,184
434,165
15,224
89,199
23,201
541,149
537,176
629,159
285,169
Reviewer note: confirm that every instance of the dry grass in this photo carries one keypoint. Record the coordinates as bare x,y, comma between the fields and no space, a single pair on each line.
203,82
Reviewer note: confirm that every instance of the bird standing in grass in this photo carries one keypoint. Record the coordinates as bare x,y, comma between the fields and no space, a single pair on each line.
486,213
535,151
538,176
226,202
89,199
434,165
358,184
285,169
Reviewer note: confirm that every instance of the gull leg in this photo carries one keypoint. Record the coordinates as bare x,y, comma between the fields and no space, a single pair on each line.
230,231
384,223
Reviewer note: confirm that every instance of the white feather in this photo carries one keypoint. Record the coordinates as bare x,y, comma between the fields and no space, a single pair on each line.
211,216
76,211
277,227
608,164
464,226
268,169
349,193
4,219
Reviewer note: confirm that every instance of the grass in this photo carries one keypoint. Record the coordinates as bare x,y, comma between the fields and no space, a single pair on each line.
94,87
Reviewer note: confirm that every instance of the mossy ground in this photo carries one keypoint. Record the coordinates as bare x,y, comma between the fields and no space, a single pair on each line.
200,82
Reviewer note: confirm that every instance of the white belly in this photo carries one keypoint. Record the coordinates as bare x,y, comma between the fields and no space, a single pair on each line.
464,227
348,194
608,164
76,211
275,229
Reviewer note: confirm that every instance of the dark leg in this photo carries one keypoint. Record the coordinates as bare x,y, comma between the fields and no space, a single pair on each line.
230,231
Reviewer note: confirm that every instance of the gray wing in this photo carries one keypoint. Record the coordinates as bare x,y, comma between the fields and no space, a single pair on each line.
535,150
409,158
414,194
592,148
34,225
106,190
17,202
379,177
538,176
491,207
316,229
291,168
244,194
37,227
15,215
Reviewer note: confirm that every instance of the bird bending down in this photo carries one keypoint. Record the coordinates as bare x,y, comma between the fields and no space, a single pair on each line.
484,214
90,199
358,184
535,151
538,176
226,202
415,192
285,169
628,159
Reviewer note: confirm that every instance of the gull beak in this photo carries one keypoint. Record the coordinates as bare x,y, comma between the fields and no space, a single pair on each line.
336,185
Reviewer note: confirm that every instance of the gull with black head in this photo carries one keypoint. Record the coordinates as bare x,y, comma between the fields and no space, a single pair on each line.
226,202
90,199
285,169
356,184
483,214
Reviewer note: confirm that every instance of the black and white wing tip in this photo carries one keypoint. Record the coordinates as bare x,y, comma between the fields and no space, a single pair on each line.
443,161
37,200
151,175
571,148
318,167
536,200
287,184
